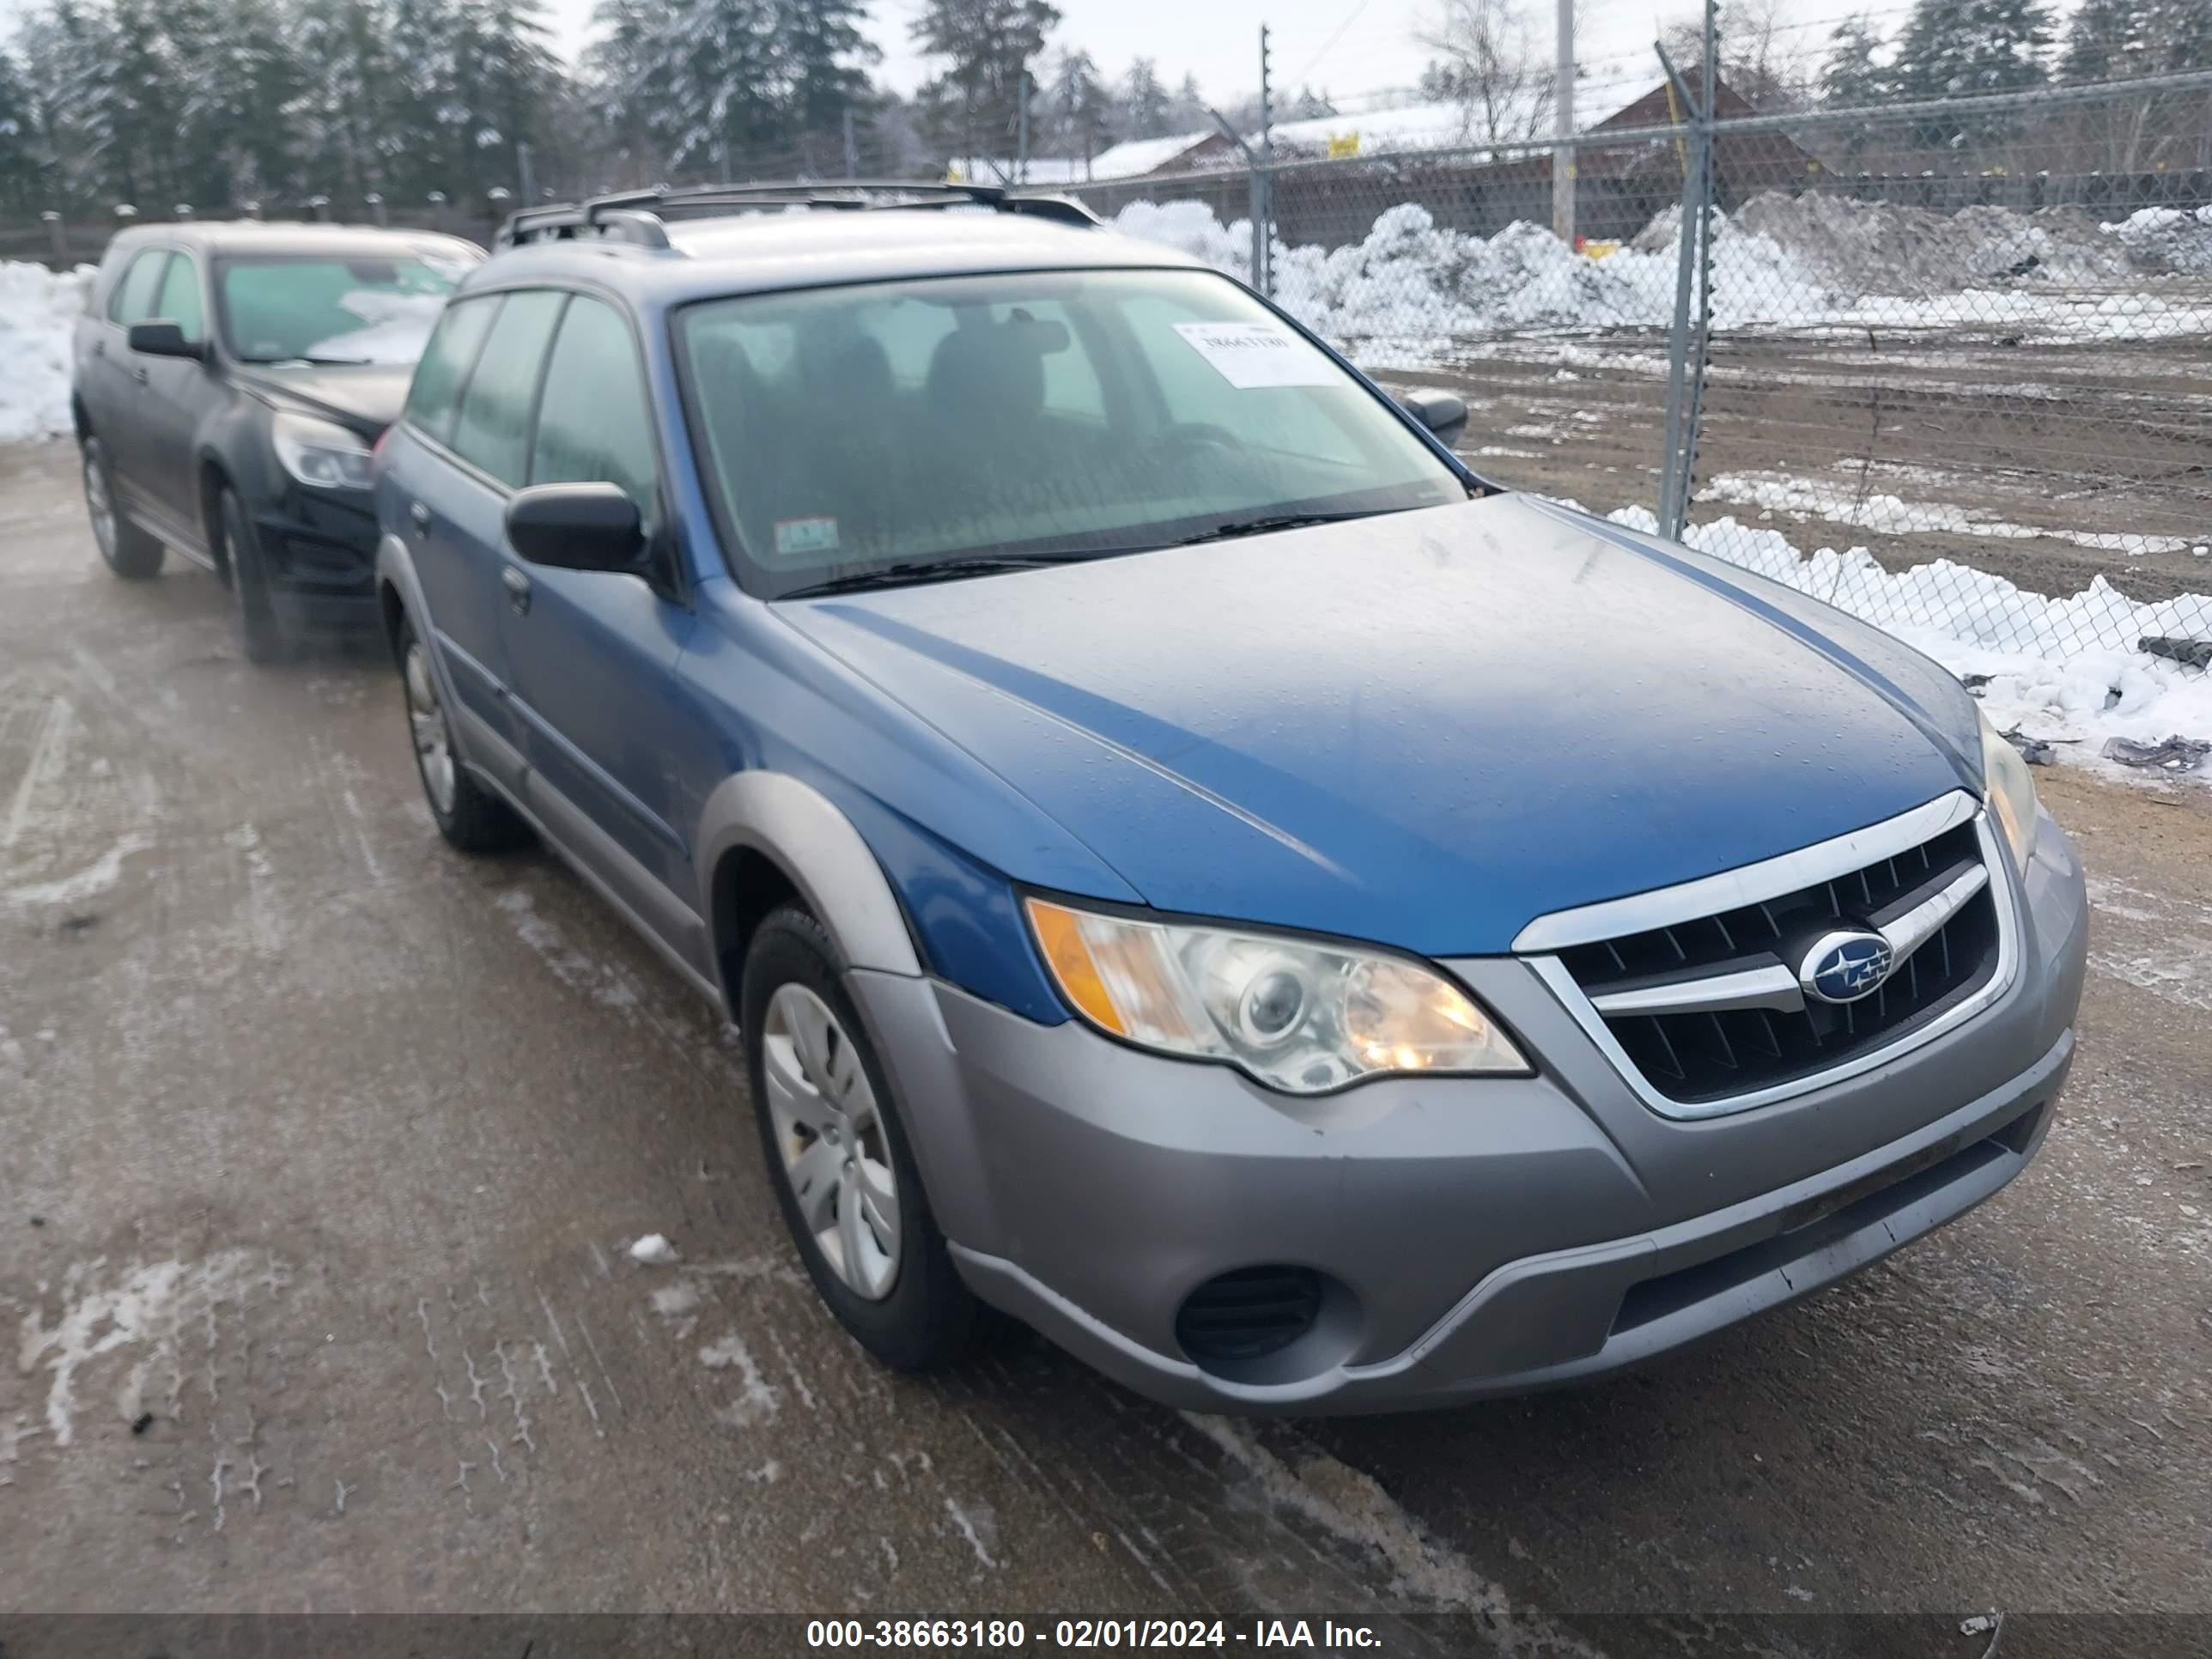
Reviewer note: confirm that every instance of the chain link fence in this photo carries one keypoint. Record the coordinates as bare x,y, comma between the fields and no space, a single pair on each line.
1945,366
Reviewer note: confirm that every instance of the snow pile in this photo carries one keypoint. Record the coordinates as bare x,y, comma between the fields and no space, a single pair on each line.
2066,669
653,1250
1893,515
38,309
1876,247
1793,261
1409,282
2167,239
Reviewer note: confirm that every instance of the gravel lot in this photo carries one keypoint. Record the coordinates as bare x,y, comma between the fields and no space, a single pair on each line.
2094,443
320,1147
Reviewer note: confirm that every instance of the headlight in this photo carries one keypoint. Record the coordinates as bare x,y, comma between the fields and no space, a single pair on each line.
1303,1019
319,454
2011,791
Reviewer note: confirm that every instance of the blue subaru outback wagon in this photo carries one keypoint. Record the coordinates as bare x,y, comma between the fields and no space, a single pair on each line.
1194,866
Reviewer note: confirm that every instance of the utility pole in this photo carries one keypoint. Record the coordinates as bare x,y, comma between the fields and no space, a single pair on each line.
522,166
1263,199
852,147
1021,130
1563,106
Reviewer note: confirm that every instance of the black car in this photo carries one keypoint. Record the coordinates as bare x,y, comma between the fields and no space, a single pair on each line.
230,381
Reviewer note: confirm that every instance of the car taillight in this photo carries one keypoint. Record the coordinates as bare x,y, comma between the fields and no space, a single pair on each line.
376,450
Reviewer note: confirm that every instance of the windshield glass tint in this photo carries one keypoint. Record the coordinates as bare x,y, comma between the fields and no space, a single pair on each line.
856,427
366,310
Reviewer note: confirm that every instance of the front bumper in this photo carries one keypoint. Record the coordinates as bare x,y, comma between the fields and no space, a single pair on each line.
1477,1236
318,559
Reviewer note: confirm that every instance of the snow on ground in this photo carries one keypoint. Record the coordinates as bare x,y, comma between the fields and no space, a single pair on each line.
1782,261
2066,670
37,310
1892,515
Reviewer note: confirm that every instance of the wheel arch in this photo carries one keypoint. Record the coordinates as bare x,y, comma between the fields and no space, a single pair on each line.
211,478
768,838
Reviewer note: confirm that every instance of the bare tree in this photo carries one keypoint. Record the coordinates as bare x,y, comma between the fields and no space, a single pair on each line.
1488,62
1762,61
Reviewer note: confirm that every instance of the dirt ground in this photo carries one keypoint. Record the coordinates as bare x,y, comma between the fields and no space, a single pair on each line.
2100,446
320,1147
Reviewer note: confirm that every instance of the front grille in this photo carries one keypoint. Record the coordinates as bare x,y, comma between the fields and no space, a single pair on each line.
1249,1313
1706,1055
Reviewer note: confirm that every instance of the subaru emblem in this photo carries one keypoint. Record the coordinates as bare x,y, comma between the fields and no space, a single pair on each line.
1844,966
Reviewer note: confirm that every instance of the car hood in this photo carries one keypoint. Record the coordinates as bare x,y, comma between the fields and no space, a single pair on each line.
363,398
1424,729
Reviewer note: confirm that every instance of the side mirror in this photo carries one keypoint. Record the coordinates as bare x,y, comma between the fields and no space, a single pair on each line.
162,339
1443,413
576,527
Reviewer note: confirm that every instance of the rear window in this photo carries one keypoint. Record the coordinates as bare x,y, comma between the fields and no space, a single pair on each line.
435,396
133,301
178,301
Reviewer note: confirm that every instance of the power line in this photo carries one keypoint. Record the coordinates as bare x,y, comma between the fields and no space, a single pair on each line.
1349,19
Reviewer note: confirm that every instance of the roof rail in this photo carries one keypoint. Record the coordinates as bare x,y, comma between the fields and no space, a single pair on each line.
641,216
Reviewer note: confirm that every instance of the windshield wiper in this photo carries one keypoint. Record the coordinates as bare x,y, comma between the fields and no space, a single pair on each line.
907,573
312,362
1261,525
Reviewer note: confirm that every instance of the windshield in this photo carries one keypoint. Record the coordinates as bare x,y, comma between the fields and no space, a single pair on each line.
1048,413
325,309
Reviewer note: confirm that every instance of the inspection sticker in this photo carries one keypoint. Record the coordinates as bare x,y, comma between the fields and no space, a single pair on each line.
1250,355
797,536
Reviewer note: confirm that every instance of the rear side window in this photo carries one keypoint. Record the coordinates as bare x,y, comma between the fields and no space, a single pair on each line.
593,426
178,301
494,430
133,301
435,396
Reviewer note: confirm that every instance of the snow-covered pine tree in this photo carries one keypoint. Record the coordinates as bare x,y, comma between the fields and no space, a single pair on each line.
1145,101
1852,78
969,108
347,84
1077,105
21,173
825,53
502,74
63,49
1965,48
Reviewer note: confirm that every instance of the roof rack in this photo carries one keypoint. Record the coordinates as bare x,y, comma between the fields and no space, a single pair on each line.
641,216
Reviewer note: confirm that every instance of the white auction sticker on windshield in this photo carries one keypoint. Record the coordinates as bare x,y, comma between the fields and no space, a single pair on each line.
1252,355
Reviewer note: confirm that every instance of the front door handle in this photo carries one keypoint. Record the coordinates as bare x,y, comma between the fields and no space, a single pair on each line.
419,516
140,374
518,589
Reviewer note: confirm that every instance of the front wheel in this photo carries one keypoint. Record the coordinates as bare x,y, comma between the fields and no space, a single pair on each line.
469,816
125,548
837,1155
259,637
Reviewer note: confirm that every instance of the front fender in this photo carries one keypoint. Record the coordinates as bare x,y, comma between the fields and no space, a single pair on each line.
798,828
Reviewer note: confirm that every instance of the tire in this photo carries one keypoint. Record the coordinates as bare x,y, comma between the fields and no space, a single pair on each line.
468,815
124,549
260,639
907,1305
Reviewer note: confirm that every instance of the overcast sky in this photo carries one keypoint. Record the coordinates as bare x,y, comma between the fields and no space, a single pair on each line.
1346,46
1343,44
